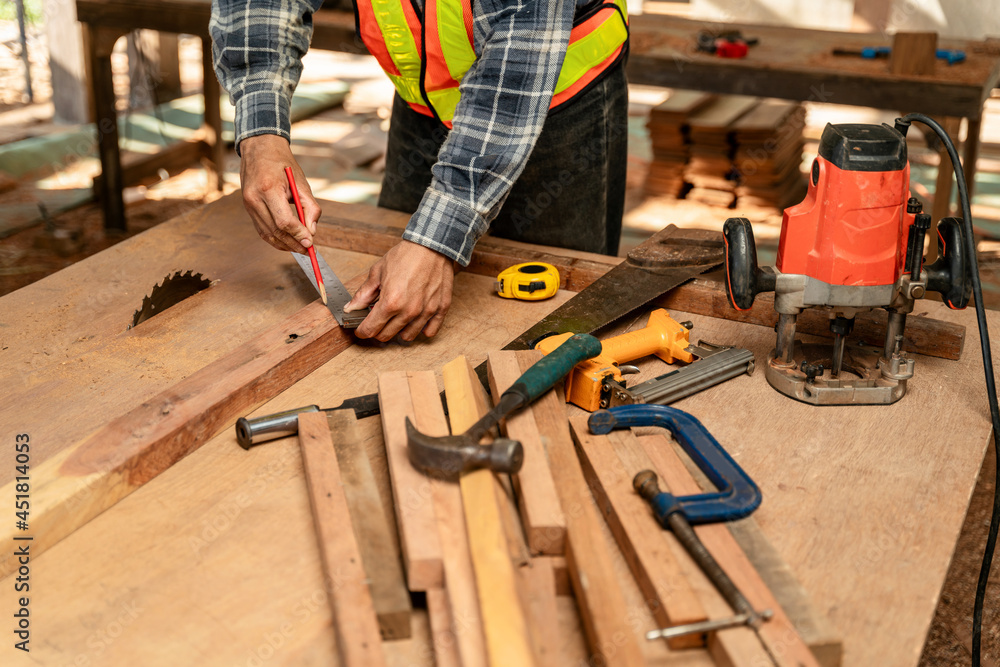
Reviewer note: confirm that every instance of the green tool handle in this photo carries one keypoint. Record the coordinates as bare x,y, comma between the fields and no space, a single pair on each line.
553,367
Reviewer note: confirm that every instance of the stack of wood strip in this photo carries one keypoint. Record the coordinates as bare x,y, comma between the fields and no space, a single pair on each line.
493,553
668,131
710,169
768,141
728,151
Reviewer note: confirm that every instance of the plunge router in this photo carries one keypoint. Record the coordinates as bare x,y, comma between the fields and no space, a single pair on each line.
855,243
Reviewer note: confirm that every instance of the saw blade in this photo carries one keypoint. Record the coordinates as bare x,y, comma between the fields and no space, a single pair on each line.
174,289
668,258
337,295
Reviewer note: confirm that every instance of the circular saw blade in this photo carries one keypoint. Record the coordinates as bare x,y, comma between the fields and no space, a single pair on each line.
174,289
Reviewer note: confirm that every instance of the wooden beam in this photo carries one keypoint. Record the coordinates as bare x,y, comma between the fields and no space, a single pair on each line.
541,512
779,635
374,230
378,551
602,605
459,577
537,583
80,482
442,634
645,547
505,621
411,491
354,620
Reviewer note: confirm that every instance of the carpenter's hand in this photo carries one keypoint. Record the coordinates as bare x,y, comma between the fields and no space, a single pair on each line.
267,197
413,287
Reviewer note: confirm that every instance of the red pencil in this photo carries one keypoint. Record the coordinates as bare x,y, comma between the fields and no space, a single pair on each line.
302,219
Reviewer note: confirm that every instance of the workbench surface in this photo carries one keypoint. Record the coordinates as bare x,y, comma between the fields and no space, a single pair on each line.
215,560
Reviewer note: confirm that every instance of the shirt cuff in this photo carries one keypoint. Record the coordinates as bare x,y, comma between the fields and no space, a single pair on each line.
262,112
446,224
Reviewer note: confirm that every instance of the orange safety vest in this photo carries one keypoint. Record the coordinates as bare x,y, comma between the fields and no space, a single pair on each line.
428,82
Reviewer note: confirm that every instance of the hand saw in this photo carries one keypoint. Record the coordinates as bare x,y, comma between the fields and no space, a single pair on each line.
665,260
337,294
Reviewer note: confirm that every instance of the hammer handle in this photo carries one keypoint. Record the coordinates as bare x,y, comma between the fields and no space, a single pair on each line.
554,367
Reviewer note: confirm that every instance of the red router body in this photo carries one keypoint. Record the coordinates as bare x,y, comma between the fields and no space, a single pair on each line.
853,244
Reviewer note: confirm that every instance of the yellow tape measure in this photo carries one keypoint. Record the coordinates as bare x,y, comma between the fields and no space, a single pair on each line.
531,281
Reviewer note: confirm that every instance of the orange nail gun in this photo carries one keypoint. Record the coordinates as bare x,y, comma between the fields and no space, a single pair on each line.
599,382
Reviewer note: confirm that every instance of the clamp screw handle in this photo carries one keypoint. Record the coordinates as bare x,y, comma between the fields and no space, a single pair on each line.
811,371
645,482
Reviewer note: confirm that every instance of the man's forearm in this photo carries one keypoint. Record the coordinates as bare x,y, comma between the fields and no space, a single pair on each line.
258,47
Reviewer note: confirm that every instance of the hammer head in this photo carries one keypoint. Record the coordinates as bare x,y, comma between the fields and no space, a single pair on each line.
449,456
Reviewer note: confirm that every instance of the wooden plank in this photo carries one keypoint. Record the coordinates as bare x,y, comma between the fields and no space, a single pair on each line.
513,530
778,635
411,491
505,624
538,586
720,113
442,633
82,481
541,511
645,547
459,577
913,53
356,229
371,528
354,620
601,603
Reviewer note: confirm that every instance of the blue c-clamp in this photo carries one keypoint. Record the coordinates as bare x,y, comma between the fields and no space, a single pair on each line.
737,496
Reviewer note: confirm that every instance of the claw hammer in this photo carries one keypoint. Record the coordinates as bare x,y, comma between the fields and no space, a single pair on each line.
737,497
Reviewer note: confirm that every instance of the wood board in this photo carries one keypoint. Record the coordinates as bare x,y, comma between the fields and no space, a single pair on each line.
375,531
359,642
588,552
505,618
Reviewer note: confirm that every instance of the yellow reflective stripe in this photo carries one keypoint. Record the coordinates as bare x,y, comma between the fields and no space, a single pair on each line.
458,52
444,102
590,51
401,44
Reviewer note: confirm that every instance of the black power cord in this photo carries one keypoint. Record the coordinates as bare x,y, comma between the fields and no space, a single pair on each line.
991,389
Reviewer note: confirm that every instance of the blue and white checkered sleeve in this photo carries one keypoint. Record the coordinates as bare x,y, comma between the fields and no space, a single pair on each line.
505,99
257,46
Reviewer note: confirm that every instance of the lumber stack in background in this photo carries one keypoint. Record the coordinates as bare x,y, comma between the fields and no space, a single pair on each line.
668,133
710,169
729,151
768,155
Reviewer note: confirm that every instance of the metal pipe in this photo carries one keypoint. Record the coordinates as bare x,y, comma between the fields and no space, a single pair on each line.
785,346
838,354
894,334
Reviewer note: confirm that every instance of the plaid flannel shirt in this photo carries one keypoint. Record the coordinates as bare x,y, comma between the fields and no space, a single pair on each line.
520,45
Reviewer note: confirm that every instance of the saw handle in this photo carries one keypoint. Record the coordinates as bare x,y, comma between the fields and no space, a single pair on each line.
949,275
737,494
553,367
744,280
